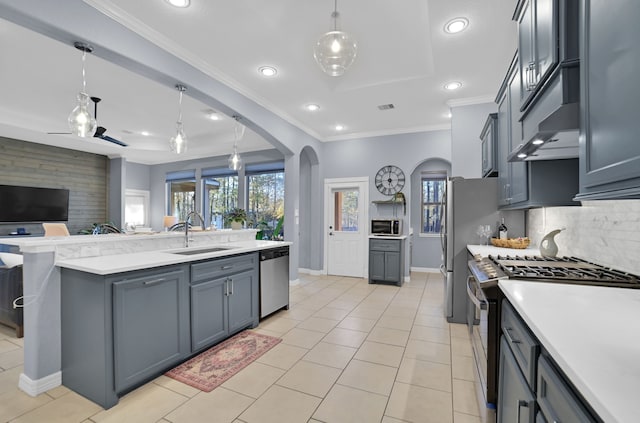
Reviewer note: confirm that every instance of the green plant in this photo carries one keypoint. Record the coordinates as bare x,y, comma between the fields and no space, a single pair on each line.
236,215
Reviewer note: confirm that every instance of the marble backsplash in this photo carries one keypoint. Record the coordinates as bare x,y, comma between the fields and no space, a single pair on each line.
604,232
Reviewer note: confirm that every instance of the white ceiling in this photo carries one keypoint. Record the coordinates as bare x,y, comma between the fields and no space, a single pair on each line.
404,58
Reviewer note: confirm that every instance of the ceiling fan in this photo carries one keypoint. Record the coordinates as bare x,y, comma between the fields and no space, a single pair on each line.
100,130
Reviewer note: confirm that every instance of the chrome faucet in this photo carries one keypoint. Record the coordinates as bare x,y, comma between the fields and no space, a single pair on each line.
186,225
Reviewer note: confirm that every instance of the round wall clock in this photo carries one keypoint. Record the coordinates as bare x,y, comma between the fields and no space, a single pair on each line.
390,180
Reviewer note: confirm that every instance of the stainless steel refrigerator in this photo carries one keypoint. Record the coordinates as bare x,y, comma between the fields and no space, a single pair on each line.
468,203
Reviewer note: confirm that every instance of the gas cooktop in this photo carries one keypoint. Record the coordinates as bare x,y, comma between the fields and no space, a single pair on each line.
550,269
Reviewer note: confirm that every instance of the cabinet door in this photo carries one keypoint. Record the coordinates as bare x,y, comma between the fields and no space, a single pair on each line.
610,58
151,325
242,300
546,36
504,135
516,403
208,313
518,191
485,156
392,267
526,53
376,265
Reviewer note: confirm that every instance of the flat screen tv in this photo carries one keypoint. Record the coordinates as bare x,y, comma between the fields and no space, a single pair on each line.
30,204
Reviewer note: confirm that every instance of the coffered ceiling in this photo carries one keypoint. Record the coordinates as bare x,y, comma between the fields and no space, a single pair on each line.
404,58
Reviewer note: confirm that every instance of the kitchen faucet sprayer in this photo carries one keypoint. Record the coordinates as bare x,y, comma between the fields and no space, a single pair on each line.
186,225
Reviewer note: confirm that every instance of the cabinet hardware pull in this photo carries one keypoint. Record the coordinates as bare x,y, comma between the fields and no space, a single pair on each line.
226,287
521,403
231,280
153,282
226,267
512,340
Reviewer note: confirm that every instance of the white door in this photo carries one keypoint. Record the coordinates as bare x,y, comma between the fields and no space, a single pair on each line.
346,228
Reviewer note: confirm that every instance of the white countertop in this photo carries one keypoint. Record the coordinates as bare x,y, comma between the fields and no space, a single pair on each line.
593,334
117,263
486,250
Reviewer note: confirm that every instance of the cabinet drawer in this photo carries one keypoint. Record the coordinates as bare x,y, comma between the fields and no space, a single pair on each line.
384,245
524,345
213,269
555,397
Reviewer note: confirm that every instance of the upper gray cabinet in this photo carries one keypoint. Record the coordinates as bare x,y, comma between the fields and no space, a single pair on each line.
537,35
609,145
488,136
549,77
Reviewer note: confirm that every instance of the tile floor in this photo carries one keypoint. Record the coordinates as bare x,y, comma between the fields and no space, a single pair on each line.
351,352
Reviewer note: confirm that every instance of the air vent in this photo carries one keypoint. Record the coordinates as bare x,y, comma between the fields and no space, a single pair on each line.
386,106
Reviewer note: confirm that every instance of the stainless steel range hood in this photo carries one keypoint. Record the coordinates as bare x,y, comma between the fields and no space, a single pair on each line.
556,137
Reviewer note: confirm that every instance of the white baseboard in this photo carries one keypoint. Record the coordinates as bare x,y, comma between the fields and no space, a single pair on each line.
425,269
39,386
294,282
311,272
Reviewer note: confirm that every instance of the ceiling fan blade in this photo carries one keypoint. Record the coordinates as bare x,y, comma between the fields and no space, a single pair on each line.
113,140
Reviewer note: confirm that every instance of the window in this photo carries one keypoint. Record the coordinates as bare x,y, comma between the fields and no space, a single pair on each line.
136,208
181,190
346,210
433,186
265,201
220,194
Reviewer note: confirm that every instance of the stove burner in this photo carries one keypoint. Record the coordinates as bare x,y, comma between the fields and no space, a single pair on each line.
563,269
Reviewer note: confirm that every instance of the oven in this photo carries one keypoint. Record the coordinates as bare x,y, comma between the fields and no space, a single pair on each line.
485,298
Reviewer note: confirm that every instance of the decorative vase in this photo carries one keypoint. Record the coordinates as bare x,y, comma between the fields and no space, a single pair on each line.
236,225
548,246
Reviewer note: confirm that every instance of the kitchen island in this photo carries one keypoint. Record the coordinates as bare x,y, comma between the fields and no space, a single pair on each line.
45,260
591,333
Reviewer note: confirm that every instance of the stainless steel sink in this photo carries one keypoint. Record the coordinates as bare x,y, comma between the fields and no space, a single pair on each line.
190,252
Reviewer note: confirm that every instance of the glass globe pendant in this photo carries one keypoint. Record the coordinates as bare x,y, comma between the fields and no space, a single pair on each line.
235,161
178,143
336,50
81,122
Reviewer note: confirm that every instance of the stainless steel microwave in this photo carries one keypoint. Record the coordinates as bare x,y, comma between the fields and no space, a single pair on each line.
389,227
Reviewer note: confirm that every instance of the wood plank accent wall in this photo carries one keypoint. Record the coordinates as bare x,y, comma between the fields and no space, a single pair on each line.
39,165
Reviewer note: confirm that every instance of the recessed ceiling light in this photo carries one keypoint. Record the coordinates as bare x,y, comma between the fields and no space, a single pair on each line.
453,85
145,133
179,3
339,127
312,107
213,116
537,142
267,71
456,25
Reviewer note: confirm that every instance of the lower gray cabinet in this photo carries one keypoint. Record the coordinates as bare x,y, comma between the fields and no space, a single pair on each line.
121,330
386,260
150,313
224,298
516,402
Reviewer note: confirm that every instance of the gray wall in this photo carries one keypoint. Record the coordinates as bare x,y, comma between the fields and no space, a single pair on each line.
38,165
363,157
466,149
427,250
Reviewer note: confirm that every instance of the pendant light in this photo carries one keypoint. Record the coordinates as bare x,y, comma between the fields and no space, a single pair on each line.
80,120
235,161
178,143
336,50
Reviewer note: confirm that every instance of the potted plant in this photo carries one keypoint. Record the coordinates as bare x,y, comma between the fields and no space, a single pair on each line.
236,217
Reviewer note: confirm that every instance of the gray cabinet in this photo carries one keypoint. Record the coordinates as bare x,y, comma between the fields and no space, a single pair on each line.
512,183
386,260
556,399
121,330
537,44
530,388
610,53
150,313
488,137
224,298
516,402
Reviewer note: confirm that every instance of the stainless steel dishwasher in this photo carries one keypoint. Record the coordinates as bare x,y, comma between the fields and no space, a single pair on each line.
274,280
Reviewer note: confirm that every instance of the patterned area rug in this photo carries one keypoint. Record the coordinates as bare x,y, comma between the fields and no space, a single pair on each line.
211,368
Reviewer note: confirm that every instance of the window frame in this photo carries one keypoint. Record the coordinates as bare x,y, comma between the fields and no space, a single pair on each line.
438,176
146,195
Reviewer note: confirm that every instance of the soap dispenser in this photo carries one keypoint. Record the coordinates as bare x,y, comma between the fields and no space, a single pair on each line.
548,246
